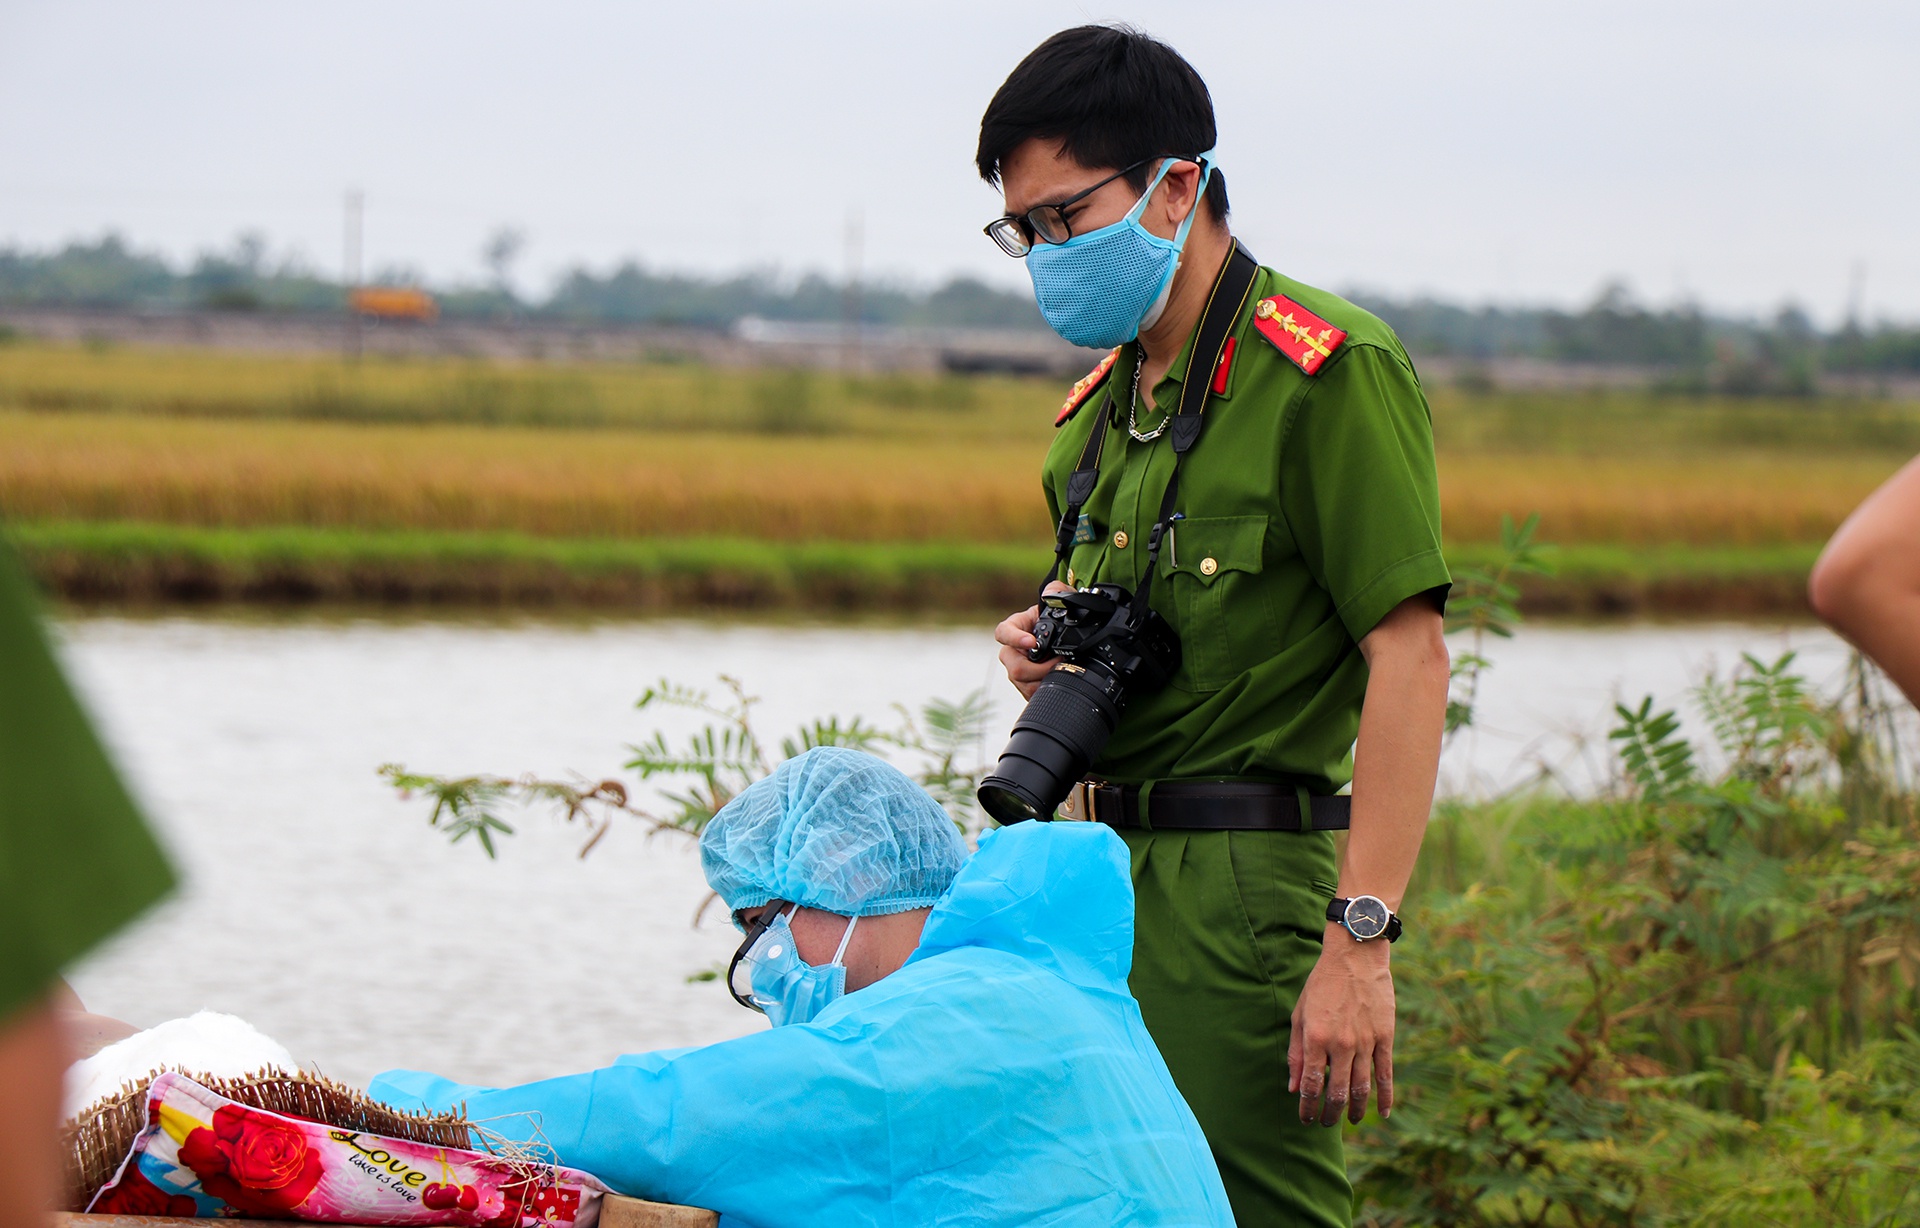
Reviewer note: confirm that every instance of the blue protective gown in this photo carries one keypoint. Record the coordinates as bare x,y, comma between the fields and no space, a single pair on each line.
1002,1077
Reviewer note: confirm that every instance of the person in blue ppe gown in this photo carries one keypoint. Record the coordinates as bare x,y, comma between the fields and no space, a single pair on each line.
993,1070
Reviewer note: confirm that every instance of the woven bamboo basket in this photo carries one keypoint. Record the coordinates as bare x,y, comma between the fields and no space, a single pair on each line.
97,1140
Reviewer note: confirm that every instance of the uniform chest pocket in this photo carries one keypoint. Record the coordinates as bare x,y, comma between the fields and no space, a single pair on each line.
1214,564
1084,564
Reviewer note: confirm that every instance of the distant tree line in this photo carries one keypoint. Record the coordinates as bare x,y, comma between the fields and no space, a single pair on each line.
109,273
1691,348
1687,346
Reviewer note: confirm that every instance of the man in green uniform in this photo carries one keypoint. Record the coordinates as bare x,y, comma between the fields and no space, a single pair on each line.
76,863
1300,567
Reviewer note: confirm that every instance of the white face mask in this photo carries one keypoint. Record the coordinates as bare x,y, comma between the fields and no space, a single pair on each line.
786,988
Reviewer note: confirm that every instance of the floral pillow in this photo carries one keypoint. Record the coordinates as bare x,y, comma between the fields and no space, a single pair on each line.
202,1154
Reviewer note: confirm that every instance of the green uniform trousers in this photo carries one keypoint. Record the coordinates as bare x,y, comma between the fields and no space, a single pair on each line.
1226,928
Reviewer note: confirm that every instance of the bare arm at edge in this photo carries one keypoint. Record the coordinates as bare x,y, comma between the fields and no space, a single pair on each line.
33,1063
1343,1023
1866,585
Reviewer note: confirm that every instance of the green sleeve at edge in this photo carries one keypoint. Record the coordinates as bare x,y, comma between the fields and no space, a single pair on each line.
77,861
1407,578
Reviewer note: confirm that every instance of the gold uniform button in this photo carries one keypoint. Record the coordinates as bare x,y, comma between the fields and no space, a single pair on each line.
1208,567
1120,540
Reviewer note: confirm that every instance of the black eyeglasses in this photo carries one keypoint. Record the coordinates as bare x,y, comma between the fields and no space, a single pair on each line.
1048,223
743,994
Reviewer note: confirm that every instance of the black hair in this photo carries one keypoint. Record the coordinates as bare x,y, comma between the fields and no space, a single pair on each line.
1113,96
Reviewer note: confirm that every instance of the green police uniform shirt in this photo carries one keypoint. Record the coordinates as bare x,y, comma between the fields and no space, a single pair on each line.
76,860
1312,508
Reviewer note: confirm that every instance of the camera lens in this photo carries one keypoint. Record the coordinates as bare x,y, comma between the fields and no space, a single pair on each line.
1059,734
1006,804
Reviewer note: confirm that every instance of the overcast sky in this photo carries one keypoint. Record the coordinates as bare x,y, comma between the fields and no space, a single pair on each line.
1741,154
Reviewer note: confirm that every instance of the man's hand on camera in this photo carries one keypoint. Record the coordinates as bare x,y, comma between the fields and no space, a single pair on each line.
1341,1050
1015,635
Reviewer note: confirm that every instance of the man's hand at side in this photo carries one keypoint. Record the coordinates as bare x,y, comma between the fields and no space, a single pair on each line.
1342,1043
1341,1050
1015,636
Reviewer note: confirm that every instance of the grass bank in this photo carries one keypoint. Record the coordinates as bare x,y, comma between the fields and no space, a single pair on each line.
156,563
1668,579
160,563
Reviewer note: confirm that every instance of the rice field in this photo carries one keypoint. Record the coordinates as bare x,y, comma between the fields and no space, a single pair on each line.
672,397
97,466
660,453
576,483
1737,498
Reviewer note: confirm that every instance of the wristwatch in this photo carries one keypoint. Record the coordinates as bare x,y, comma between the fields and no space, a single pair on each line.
1365,917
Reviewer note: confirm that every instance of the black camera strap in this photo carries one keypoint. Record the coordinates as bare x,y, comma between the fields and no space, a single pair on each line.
1231,286
1080,484
1230,291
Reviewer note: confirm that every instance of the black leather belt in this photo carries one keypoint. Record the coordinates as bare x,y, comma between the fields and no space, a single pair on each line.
1198,805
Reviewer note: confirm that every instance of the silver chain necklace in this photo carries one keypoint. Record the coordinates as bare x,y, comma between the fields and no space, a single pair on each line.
1133,407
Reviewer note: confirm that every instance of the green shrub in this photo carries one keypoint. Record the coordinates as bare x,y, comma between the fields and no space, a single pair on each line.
1688,1002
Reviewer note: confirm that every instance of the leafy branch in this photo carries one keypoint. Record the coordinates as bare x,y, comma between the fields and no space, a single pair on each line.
697,777
1658,760
1486,602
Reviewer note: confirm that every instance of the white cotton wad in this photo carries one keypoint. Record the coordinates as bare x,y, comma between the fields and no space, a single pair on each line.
208,1043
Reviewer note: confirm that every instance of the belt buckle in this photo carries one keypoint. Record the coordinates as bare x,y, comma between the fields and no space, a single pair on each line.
1081,806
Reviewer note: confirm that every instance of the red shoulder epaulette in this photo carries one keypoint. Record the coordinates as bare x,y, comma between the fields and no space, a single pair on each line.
1084,390
1299,334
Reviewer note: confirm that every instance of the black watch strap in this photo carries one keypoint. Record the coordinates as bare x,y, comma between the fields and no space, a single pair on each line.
1337,913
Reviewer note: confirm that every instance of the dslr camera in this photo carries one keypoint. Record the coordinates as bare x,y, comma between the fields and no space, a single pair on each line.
1109,647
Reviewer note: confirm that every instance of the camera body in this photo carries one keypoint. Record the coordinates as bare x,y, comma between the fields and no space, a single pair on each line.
1108,647
1094,626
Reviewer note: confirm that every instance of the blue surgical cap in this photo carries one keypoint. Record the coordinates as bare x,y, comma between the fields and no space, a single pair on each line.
833,829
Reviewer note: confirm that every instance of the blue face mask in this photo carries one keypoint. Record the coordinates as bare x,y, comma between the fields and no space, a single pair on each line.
1101,288
786,987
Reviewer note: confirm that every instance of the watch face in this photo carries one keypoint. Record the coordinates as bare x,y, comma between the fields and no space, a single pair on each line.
1366,917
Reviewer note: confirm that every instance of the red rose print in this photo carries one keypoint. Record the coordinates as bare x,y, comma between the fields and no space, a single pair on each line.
134,1194
555,1205
252,1162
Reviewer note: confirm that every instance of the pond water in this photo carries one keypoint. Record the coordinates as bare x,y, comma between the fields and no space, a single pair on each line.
322,908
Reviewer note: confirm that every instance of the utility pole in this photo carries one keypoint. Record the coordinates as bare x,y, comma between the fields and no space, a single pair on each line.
350,269
850,304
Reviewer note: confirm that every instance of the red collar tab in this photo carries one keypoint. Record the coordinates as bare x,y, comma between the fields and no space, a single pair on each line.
1084,390
1225,369
1296,332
